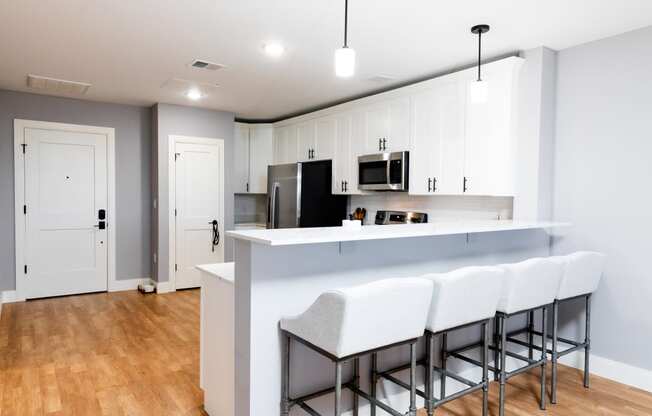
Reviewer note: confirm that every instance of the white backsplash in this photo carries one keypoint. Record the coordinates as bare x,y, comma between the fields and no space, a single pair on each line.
437,207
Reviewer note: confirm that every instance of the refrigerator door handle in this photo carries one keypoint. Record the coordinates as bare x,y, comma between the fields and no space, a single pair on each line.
272,205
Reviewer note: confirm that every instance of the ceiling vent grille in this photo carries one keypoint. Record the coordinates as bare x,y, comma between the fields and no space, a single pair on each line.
61,86
201,64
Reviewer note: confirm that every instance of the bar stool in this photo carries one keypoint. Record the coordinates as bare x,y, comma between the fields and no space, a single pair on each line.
461,298
529,286
345,324
582,272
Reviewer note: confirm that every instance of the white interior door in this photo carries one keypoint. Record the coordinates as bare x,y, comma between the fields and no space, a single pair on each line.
199,201
65,189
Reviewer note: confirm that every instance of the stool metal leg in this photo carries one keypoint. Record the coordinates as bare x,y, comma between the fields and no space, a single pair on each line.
374,381
413,380
544,356
587,341
503,356
442,380
338,388
356,383
485,369
430,352
285,376
555,324
530,332
497,346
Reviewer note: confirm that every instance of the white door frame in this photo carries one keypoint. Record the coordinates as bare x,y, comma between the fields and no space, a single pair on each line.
173,140
19,194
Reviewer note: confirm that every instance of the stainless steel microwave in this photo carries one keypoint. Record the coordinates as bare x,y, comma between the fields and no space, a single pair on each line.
384,172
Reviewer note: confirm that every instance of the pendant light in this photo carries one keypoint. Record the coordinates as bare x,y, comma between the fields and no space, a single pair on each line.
479,89
345,56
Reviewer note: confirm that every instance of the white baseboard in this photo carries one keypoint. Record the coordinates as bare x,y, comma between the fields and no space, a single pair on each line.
129,284
164,287
613,370
9,296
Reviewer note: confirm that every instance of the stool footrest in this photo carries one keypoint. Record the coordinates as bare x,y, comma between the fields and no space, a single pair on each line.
375,401
323,392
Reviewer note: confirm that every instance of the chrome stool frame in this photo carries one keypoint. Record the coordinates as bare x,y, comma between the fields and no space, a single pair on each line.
428,395
556,339
353,385
501,338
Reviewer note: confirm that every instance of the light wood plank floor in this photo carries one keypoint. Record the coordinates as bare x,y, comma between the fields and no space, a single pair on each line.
129,354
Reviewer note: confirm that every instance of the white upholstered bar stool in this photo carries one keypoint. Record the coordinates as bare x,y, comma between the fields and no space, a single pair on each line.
582,272
529,285
345,324
461,298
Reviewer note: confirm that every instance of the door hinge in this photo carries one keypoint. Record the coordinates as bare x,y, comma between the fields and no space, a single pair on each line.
25,269
175,212
25,209
176,268
23,145
176,156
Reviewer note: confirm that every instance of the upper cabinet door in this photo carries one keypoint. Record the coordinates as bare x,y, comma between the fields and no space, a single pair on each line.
489,141
425,142
449,153
241,158
285,145
306,141
261,151
342,155
377,120
397,138
325,138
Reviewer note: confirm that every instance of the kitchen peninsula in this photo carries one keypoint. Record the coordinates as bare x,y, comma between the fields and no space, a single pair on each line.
281,272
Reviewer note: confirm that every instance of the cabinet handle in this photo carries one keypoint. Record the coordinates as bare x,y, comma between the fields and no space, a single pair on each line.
247,186
342,186
384,143
380,144
429,184
346,186
466,180
434,184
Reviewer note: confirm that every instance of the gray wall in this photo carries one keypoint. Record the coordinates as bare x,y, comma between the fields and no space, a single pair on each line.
189,121
133,136
603,171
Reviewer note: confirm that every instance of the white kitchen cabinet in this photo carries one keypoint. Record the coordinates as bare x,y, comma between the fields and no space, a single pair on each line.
490,145
285,145
261,152
241,158
325,137
348,147
305,141
388,126
253,151
437,144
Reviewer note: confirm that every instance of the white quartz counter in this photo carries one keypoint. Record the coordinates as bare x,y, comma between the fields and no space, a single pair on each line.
298,236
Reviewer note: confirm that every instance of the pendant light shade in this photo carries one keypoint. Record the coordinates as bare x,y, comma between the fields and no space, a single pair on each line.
344,62
345,56
479,90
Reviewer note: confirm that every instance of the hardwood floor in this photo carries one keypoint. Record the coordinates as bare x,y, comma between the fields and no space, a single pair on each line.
101,354
129,354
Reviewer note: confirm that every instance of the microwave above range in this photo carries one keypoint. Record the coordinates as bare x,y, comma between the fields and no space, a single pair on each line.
384,172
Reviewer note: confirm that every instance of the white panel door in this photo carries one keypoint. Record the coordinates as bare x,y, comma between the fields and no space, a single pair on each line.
241,159
398,126
377,118
424,160
65,187
198,194
260,152
449,107
342,156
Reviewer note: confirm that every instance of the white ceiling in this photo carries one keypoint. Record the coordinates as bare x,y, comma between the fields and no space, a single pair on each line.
129,49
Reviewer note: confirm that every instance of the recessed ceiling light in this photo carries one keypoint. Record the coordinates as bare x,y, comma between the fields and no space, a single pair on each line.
274,49
194,94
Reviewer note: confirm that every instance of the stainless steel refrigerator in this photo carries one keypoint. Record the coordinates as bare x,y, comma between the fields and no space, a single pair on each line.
300,195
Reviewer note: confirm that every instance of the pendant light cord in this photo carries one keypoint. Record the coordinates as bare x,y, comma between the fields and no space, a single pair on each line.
479,53
346,22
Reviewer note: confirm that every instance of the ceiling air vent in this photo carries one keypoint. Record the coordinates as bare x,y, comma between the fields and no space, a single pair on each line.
61,86
200,64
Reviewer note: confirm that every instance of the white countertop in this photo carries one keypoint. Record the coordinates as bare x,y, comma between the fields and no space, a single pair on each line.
224,271
297,236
